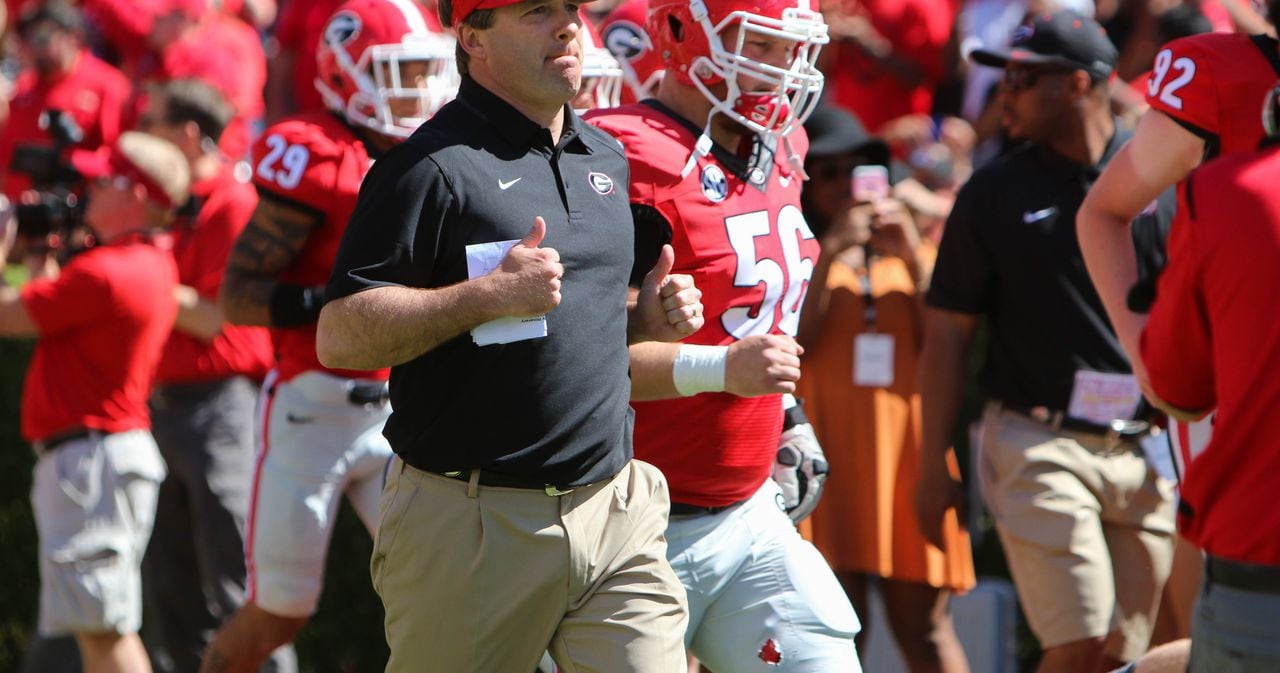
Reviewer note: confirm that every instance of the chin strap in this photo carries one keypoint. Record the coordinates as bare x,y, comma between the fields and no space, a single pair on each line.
700,149
794,159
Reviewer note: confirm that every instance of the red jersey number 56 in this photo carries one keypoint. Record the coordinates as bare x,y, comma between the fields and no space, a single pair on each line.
788,287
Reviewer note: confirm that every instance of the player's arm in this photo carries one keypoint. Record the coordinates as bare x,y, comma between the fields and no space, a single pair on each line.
251,293
1160,153
760,364
390,325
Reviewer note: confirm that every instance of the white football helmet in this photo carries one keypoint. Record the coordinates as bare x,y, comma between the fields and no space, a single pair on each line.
602,76
366,51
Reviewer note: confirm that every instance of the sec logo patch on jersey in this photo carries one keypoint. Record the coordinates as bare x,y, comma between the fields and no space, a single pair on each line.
714,185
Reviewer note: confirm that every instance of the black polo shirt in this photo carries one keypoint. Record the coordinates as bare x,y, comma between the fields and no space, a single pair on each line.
1009,252
553,409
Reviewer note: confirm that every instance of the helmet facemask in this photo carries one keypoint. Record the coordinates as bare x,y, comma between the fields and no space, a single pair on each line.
780,98
602,79
417,75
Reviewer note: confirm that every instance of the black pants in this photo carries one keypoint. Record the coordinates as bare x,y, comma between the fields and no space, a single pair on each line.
193,575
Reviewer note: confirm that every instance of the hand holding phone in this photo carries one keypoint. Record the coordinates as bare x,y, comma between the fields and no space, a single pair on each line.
870,183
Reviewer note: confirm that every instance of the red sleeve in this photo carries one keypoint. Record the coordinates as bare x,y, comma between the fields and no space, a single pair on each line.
117,91
294,160
1176,343
218,234
924,31
1182,86
125,24
80,295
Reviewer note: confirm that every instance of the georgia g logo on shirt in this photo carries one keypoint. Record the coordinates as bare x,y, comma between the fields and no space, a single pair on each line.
600,182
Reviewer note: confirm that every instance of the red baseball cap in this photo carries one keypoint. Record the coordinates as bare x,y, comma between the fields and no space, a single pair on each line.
463,8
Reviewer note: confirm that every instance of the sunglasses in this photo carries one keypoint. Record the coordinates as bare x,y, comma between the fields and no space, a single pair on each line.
1020,79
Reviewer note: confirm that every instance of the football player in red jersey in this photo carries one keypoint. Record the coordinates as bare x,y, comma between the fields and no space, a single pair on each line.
716,169
383,67
1205,92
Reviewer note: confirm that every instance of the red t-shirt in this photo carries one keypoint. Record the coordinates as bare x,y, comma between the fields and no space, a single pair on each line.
200,248
316,161
102,323
227,53
751,253
918,31
1211,339
92,93
298,29
124,26
1214,84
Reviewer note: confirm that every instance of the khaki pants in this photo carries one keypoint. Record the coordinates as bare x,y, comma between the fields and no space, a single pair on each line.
1086,527
484,579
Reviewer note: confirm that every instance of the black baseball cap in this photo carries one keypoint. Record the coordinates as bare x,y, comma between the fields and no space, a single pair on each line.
1062,38
833,130
58,12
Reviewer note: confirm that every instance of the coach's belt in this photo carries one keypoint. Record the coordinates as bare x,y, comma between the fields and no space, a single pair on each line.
51,444
500,480
684,509
1243,576
1114,432
368,393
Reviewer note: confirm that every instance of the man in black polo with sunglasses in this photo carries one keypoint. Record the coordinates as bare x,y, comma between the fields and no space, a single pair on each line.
1084,522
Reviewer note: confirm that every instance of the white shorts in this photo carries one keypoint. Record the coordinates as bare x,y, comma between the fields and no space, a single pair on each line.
95,502
761,598
315,445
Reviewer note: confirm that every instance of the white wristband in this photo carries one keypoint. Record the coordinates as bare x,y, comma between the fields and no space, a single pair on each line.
699,369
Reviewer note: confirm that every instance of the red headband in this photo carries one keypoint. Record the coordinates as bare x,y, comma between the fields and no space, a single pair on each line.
463,8
109,161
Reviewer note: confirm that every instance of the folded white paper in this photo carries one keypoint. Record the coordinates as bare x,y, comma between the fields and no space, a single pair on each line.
481,259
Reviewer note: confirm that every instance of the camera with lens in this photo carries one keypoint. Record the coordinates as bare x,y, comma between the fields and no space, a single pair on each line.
53,206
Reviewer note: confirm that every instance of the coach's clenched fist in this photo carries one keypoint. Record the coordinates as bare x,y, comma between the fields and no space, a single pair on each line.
527,281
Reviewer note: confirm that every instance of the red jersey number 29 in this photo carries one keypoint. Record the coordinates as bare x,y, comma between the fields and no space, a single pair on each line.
1165,87
284,163
751,271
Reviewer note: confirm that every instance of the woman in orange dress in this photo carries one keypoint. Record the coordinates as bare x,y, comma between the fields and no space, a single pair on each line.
862,329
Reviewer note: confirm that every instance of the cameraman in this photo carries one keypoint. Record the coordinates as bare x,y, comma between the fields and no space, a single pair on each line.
102,321
59,73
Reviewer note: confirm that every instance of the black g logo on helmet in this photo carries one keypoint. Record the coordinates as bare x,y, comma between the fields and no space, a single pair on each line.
342,28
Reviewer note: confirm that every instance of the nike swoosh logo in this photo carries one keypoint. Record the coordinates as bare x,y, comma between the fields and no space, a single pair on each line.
1030,217
506,185
298,419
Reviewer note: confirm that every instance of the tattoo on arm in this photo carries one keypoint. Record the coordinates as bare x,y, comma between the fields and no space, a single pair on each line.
275,235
